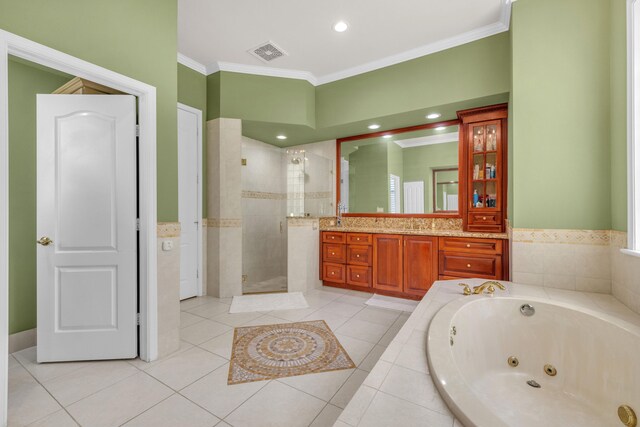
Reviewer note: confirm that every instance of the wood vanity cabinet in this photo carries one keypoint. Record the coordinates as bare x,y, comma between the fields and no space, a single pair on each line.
484,170
406,265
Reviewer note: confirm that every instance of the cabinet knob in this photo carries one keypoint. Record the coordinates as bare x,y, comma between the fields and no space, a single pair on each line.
333,272
333,253
468,266
484,218
468,245
358,239
333,237
357,275
358,256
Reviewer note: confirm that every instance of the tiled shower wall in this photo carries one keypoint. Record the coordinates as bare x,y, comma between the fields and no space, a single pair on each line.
582,260
263,212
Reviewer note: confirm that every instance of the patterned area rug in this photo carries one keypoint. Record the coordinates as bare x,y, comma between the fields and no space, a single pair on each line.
285,350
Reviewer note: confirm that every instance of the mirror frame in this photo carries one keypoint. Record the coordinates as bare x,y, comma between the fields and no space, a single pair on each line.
462,188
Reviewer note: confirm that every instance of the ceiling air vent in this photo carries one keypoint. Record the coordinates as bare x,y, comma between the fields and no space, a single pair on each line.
267,52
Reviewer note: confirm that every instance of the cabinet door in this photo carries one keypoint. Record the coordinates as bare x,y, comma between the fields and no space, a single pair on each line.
387,262
420,264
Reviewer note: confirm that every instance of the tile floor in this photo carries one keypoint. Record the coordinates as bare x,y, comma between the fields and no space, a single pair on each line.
189,387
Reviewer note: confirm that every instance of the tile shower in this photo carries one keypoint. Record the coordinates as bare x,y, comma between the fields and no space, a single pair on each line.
277,183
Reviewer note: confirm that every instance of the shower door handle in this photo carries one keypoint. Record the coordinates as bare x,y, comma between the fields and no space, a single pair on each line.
281,229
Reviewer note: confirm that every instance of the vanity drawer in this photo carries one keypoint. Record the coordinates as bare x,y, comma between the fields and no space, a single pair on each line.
333,272
463,244
334,253
492,218
333,237
359,239
359,276
359,255
467,265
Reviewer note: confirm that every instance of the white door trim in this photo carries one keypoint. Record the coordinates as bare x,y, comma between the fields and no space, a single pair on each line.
40,54
200,242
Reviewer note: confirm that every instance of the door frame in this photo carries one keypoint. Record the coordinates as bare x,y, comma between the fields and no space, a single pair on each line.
147,194
199,243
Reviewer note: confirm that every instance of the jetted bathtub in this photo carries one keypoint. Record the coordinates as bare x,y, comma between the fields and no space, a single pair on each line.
487,358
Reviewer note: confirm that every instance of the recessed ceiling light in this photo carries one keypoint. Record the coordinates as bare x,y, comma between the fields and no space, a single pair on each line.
340,26
281,137
387,136
374,127
441,128
433,116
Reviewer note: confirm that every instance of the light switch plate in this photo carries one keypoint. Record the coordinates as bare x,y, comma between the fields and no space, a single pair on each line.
167,245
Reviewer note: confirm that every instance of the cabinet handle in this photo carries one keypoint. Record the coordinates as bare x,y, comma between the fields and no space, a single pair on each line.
468,245
468,266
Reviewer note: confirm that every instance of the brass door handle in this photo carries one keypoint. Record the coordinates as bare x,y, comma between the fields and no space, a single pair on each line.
44,241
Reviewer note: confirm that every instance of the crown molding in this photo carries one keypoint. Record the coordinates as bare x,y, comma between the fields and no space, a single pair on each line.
192,63
260,70
427,140
489,30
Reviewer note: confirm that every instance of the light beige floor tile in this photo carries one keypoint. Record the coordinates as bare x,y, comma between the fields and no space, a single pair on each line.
210,309
327,417
378,315
366,331
220,345
57,419
343,309
203,331
372,358
188,319
13,362
223,424
172,412
19,378
333,320
212,392
142,365
266,320
356,349
322,385
386,410
29,403
120,402
357,299
292,315
346,392
183,369
192,303
415,387
45,371
70,388
358,405
235,319
390,334
378,374
272,406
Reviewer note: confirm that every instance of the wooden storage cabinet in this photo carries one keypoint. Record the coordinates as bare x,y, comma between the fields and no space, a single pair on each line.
359,255
358,275
420,264
387,262
462,257
335,253
335,273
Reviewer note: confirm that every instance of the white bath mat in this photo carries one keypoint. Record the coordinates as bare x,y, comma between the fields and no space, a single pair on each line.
268,302
392,303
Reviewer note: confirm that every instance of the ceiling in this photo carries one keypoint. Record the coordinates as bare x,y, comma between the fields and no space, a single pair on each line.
216,34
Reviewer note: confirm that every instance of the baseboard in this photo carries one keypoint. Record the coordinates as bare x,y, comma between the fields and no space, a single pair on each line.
21,340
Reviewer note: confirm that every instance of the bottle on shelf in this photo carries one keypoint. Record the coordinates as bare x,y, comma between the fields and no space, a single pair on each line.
475,198
493,172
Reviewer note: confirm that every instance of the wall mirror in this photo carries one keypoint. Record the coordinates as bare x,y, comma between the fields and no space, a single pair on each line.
404,172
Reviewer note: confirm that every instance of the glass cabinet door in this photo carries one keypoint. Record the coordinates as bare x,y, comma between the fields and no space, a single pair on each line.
485,165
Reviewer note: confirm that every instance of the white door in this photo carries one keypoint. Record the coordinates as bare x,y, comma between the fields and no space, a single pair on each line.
188,212
394,194
414,197
86,198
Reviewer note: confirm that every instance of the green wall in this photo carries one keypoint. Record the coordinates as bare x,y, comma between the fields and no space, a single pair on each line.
618,72
561,95
192,91
25,82
120,35
419,163
134,38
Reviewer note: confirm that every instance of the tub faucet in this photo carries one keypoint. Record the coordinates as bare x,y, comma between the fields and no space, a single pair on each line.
489,286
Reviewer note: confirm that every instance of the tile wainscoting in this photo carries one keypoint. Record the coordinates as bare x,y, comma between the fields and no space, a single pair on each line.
168,289
582,260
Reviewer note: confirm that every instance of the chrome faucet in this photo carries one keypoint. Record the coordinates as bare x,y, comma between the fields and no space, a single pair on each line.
341,209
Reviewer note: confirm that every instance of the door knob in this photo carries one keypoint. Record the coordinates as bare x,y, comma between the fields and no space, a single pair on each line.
44,241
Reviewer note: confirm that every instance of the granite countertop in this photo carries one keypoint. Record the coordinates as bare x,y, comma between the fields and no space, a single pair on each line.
421,232
399,390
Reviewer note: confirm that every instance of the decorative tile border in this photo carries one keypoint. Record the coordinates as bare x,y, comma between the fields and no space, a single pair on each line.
224,222
576,237
168,229
319,195
301,222
263,195
618,239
